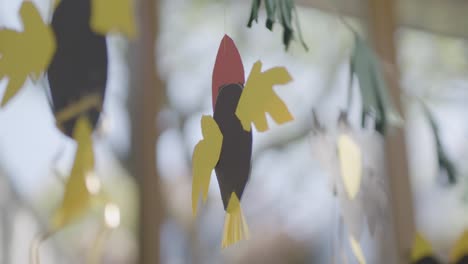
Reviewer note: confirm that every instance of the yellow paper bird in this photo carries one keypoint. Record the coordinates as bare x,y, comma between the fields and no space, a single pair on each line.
77,196
259,98
27,53
113,16
205,157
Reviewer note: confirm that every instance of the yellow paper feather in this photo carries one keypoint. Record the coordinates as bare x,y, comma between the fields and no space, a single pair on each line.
259,98
460,249
27,53
205,157
350,157
77,197
113,16
357,250
235,226
421,248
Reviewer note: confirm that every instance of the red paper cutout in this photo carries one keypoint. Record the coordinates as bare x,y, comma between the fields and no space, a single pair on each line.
228,67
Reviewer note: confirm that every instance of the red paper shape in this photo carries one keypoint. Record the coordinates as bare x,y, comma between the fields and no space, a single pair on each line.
228,67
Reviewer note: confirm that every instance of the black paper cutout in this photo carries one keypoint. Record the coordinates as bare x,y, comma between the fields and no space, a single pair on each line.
79,66
233,168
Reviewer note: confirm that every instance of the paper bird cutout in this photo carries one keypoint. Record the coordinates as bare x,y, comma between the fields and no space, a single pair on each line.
205,157
259,98
27,53
229,150
370,205
78,72
77,197
351,164
113,16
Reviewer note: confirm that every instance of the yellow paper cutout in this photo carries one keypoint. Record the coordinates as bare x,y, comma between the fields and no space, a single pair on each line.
460,249
357,250
259,98
350,157
113,15
235,226
77,197
205,157
27,53
421,248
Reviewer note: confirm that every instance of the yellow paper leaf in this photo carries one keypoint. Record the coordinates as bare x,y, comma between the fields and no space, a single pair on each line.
113,15
460,249
350,157
357,250
259,98
77,197
27,53
205,157
421,248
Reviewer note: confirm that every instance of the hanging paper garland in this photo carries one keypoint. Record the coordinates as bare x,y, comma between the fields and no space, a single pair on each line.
227,137
27,53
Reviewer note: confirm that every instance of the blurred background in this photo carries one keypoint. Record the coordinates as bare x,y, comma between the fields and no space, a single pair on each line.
289,205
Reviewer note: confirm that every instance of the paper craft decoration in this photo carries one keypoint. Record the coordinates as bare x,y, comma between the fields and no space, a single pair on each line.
259,98
227,137
368,206
77,78
282,11
350,163
113,16
375,98
78,72
26,53
422,252
357,250
77,197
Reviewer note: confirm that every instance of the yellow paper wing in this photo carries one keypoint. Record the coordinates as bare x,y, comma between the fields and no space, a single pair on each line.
77,196
205,157
421,248
26,53
113,15
357,250
460,249
259,98
350,157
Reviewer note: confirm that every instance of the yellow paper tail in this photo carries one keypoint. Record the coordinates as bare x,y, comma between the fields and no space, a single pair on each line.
460,249
235,226
77,196
421,248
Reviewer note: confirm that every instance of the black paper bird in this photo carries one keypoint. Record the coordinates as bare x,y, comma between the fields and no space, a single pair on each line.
227,137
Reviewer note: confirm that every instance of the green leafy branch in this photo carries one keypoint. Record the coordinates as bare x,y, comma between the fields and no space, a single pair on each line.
281,11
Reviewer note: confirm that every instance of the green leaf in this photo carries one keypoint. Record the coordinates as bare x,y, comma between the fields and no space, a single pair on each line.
375,98
298,25
270,6
444,162
285,17
254,12
282,11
